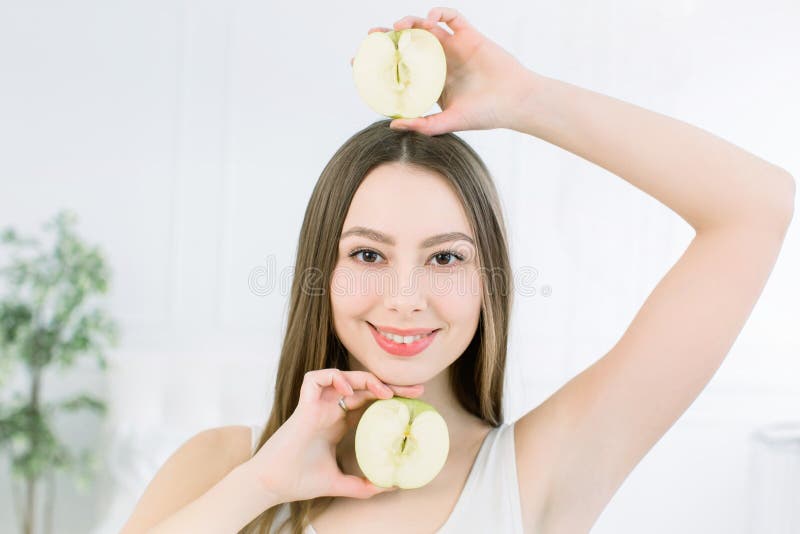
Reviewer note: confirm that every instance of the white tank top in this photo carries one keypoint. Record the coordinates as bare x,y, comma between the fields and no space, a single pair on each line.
489,501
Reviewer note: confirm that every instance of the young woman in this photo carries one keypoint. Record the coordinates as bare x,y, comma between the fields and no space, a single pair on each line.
404,231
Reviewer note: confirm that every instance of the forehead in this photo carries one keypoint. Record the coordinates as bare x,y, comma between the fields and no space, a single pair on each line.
403,200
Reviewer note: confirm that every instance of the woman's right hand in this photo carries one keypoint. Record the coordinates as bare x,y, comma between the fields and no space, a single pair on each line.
298,462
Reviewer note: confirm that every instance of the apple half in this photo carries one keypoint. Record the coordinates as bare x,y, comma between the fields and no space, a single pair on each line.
401,442
400,73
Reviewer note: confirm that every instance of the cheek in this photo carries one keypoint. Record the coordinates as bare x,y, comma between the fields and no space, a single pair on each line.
462,287
352,292
458,296
353,283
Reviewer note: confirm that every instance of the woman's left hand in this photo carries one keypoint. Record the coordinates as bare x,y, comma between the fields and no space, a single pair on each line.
485,84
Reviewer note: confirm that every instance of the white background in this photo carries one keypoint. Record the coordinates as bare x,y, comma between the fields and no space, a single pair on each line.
188,137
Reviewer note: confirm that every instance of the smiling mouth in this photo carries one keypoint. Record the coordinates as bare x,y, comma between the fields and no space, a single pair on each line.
408,347
376,329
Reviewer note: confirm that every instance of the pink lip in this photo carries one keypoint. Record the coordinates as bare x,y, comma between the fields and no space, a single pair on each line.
404,332
402,349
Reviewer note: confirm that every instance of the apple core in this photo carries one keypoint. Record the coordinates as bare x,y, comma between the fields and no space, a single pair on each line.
400,74
401,442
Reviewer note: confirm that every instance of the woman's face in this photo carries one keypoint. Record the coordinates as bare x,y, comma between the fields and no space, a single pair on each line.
394,279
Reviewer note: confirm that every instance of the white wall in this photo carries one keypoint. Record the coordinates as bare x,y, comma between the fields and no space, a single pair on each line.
188,137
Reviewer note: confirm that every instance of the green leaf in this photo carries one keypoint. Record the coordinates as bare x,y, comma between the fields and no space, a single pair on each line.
83,402
8,235
13,317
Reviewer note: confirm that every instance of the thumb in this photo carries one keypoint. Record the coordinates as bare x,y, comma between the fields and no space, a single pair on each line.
357,487
435,124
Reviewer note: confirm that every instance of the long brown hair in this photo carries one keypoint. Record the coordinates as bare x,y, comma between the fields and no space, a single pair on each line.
310,341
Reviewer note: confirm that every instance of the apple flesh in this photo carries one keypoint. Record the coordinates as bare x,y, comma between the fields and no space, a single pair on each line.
401,442
400,73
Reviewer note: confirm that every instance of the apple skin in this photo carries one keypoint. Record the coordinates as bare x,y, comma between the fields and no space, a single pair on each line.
400,73
401,442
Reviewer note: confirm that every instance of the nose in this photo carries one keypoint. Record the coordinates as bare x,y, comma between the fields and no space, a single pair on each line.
406,292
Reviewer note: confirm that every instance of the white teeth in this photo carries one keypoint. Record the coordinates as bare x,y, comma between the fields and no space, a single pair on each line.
402,339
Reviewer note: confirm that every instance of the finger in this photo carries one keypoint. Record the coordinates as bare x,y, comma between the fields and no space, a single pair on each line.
438,31
425,24
435,124
363,380
342,385
356,487
406,22
314,382
455,20
379,489
369,387
411,21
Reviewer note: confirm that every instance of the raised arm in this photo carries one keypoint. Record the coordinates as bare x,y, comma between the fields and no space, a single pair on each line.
708,181
602,422
577,447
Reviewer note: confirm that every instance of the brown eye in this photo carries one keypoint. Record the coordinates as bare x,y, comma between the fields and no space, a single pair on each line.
369,255
446,256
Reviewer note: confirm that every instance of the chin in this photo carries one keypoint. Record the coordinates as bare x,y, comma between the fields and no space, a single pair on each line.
393,371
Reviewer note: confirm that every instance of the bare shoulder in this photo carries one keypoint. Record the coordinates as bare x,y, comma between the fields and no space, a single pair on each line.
238,441
198,464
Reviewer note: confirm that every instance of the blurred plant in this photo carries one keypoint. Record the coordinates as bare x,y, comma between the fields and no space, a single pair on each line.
45,321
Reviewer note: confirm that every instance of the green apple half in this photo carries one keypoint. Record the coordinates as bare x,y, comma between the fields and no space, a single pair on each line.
401,442
400,74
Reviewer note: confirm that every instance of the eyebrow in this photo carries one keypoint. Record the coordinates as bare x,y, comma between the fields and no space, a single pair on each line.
375,235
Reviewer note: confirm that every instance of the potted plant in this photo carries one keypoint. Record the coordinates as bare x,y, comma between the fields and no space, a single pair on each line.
48,320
